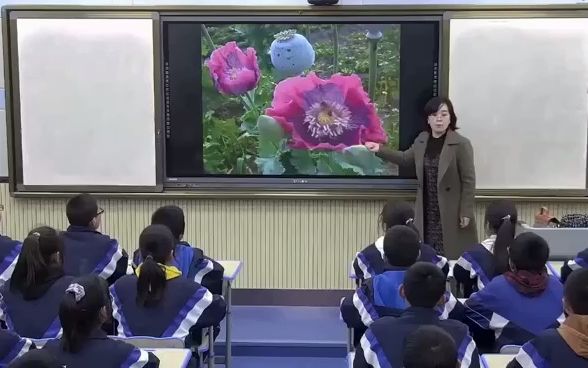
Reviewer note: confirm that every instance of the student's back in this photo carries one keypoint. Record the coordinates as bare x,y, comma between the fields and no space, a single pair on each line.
378,296
82,311
579,262
482,262
191,261
12,346
370,261
31,299
9,252
521,303
85,249
566,346
159,302
383,343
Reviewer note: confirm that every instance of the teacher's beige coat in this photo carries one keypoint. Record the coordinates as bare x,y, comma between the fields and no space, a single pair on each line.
456,184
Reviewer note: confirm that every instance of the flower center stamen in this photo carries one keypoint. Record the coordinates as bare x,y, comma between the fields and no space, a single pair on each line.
327,119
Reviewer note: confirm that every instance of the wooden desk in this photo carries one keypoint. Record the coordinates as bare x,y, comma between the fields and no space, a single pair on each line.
496,360
232,270
172,358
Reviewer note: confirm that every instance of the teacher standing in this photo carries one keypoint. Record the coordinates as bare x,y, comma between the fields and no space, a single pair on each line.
444,164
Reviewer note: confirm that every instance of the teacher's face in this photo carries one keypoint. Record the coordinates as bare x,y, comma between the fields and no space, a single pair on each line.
439,122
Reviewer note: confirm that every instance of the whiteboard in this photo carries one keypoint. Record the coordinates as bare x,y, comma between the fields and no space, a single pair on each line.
520,89
87,113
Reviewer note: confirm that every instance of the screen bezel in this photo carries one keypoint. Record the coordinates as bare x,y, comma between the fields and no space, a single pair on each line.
302,182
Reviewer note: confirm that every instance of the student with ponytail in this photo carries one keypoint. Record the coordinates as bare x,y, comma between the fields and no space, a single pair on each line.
479,265
519,304
31,299
82,312
157,301
370,261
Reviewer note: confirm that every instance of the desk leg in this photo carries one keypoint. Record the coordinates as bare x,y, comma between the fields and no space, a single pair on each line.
229,341
211,347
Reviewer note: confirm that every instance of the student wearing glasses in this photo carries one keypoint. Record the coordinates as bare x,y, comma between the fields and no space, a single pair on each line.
86,250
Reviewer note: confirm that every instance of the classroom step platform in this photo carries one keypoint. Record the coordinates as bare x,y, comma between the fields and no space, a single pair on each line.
284,331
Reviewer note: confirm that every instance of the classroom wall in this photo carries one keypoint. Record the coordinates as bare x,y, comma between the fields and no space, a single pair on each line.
285,243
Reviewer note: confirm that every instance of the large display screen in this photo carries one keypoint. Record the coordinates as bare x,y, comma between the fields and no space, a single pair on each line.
294,100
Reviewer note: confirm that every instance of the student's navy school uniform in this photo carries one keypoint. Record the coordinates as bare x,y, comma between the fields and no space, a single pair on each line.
513,317
36,318
186,307
475,268
99,351
580,261
86,251
379,297
12,346
383,343
9,252
194,266
370,261
548,349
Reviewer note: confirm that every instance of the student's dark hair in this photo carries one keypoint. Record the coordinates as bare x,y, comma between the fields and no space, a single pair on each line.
81,210
397,213
424,285
501,218
79,311
576,291
155,243
433,106
529,252
401,246
35,260
36,358
172,217
430,347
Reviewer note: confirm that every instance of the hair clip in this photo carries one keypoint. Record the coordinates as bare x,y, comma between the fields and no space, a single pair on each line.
36,234
149,256
506,218
409,221
77,291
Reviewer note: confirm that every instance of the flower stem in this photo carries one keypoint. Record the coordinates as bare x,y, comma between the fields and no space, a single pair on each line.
373,67
335,48
207,36
250,101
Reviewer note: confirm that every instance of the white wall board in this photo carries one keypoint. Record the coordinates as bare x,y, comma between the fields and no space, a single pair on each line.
87,101
520,87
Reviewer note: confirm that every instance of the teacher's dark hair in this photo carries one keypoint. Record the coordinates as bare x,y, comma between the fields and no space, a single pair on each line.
433,106
501,218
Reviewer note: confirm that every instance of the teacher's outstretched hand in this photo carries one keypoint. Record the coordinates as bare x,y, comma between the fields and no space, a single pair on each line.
443,161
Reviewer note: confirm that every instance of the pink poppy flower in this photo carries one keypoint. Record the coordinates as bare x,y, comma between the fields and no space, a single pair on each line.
233,71
326,114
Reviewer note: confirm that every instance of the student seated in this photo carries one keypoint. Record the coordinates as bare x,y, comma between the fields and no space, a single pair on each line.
158,302
383,344
518,305
9,251
378,296
36,359
581,261
31,298
87,250
370,261
12,346
192,262
566,346
477,266
430,347
82,312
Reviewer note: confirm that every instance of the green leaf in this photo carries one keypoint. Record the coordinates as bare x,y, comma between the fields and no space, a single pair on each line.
270,166
269,128
361,157
249,122
303,162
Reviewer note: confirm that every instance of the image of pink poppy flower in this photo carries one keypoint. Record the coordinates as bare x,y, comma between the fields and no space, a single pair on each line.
326,114
233,71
